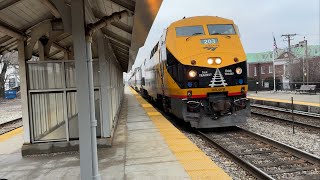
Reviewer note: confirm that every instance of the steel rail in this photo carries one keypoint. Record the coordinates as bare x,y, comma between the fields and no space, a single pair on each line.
10,123
303,113
302,154
256,171
304,125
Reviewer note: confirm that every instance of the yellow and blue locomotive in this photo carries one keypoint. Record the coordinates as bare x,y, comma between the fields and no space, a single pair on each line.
197,71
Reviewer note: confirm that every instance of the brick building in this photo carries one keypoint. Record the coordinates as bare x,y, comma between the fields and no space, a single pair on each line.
260,67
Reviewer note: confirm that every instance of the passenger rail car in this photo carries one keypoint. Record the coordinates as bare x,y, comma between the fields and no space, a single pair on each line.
197,71
135,79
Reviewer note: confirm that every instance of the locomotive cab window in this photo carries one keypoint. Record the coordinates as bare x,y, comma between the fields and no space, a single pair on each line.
189,31
226,29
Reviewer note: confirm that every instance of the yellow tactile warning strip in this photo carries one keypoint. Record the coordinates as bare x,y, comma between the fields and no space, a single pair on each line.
10,134
286,101
193,160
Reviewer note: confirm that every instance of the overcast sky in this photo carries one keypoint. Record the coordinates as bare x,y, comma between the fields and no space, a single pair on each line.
256,19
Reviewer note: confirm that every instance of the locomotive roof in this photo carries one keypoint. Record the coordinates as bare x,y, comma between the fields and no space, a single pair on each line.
200,19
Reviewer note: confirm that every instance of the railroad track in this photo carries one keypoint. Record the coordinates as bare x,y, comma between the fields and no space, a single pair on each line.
264,157
10,125
302,119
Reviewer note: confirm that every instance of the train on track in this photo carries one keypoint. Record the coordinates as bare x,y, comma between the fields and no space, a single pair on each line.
198,72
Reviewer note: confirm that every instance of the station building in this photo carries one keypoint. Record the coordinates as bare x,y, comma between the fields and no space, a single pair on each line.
260,66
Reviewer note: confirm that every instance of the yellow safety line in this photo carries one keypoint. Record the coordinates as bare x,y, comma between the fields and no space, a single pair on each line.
193,160
10,134
286,101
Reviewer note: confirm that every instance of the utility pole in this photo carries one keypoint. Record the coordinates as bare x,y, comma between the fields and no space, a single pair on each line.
288,38
306,60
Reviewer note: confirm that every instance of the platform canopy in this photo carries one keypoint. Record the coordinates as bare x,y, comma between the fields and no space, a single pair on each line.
20,18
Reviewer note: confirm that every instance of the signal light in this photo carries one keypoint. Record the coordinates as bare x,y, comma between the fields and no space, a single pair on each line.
243,90
193,62
189,93
210,61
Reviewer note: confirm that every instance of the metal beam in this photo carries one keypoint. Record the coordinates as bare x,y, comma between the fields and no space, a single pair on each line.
7,3
54,53
51,7
12,47
123,63
111,54
63,37
30,26
118,44
128,4
122,57
120,64
116,37
13,32
120,50
8,46
65,12
116,48
122,60
4,39
10,30
122,26
125,55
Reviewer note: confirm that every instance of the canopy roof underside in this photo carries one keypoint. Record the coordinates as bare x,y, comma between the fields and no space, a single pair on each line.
19,17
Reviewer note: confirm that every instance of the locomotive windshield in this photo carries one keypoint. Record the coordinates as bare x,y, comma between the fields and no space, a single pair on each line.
221,29
189,31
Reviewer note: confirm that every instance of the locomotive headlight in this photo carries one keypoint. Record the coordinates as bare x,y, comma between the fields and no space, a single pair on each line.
218,60
239,70
210,61
192,73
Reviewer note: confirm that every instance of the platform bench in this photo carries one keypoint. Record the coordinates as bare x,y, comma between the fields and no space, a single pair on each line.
307,89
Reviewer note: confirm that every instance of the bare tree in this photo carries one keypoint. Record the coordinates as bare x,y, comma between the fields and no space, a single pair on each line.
7,60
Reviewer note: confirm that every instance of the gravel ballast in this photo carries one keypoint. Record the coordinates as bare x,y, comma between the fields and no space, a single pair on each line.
10,109
230,167
309,142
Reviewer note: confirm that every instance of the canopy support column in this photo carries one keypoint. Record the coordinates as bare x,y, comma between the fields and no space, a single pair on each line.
87,125
24,91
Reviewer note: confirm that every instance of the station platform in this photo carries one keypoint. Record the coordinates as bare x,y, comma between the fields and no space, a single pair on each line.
145,146
301,102
285,97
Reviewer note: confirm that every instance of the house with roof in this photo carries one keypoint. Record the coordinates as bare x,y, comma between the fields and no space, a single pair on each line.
260,66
